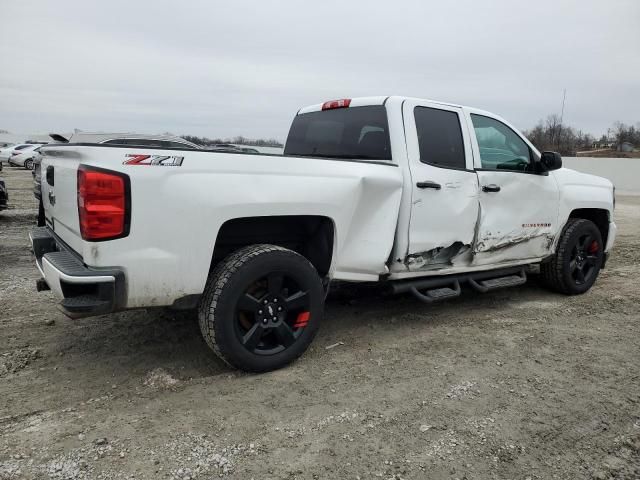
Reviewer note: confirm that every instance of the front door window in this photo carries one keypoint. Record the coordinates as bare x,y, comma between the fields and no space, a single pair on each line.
500,147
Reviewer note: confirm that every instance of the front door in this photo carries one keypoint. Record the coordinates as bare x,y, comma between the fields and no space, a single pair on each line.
518,203
444,203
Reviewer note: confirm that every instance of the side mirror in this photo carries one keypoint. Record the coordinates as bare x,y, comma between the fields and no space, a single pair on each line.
551,161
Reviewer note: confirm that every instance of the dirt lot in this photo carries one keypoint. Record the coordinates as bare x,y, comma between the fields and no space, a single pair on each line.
518,384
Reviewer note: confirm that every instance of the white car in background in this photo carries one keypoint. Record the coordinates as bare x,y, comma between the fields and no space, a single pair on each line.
5,152
23,157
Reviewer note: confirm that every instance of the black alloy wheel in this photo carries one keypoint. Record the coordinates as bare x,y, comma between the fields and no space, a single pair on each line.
261,307
271,314
584,259
579,255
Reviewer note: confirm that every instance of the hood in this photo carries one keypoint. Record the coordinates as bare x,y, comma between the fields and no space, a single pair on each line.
568,176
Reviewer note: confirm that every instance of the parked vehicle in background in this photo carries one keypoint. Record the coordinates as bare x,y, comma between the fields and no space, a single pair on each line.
229,147
126,139
4,195
416,195
116,139
6,152
24,157
4,145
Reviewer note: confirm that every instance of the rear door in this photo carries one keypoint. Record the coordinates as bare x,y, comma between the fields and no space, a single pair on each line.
444,206
519,204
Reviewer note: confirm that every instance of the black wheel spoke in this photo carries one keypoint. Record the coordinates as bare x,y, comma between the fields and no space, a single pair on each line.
591,259
580,275
285,334
297,300
274,283
251,339
572,265
581,243
585,242
248,303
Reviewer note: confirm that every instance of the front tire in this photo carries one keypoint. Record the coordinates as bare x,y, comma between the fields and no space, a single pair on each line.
575,266
261,307
28,164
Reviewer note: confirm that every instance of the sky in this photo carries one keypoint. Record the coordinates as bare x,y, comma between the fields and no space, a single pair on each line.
227,68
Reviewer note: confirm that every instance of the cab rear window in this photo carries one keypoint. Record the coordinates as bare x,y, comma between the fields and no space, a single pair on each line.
348,133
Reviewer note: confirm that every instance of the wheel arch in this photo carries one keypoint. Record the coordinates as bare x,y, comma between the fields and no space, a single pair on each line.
312,236
599,216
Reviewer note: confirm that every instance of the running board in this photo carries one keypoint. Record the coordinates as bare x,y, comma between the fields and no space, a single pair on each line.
435,288
484,286
436,294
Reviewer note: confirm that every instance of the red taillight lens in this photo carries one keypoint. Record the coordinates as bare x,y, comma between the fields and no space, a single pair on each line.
103,202
342,103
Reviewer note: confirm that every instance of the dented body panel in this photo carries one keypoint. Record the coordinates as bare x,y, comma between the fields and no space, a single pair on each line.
520,221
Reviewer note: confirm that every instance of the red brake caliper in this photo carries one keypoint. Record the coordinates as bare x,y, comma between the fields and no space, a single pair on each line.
593,248
302,320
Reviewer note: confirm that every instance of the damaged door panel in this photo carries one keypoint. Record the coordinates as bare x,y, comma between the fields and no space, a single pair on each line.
518,206
444,207
518,222
439,257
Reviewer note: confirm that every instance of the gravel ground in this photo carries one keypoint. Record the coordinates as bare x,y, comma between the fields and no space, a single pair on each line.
517,384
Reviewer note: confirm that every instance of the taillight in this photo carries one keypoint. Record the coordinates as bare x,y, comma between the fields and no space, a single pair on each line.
103,204
342,103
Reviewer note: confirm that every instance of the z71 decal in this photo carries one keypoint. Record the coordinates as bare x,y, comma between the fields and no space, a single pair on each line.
160,160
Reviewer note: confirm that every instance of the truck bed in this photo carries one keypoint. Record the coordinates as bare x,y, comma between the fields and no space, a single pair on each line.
177,211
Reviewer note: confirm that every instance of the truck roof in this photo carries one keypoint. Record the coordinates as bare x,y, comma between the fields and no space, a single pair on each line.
375,100
381,100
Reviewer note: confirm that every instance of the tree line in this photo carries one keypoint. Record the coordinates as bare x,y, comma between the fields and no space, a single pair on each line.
551,134
239,140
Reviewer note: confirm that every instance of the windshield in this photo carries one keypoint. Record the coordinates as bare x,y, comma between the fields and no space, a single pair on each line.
348,133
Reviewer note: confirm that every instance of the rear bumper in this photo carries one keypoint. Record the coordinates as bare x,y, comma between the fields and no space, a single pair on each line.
84,291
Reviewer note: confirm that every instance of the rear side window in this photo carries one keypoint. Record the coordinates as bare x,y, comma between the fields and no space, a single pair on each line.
21,147
439,137
349,133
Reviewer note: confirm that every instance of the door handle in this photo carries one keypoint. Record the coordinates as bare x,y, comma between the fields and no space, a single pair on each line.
491,188
429,184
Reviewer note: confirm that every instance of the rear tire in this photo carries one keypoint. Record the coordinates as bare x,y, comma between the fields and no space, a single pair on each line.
261,307
575,266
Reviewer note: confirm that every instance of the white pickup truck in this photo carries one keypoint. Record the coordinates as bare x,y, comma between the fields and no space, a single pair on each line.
421,196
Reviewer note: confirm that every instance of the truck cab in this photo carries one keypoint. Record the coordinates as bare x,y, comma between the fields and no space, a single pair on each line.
476,193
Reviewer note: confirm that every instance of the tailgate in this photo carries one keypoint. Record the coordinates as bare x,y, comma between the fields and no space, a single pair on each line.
59,170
